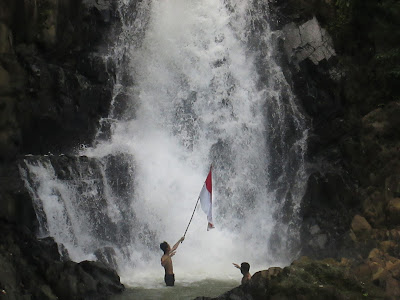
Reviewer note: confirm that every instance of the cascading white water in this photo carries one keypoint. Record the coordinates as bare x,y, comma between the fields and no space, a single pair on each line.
197,99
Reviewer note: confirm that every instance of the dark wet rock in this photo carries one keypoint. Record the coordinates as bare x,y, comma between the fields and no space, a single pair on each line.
55,86
15,202
54,83
33,269
327,210
106,255
84,280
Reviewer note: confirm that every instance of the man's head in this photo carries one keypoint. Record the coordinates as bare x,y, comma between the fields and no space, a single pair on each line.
244,268
164,246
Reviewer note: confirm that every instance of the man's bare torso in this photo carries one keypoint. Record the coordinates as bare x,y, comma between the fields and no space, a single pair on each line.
166,262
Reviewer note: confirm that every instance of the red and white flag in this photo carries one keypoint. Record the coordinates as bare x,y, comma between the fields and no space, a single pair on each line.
206,200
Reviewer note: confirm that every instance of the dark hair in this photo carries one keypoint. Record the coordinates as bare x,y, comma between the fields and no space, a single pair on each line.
244,268
164,246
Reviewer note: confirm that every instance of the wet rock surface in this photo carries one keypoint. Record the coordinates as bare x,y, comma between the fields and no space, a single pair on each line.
54,83
34,269
54,88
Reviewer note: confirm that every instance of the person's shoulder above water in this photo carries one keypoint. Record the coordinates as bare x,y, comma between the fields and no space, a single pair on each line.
244,269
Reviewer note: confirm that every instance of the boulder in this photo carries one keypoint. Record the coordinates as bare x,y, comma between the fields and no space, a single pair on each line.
85,280
360,226
389,279
34,269
387,246
374,208
304,279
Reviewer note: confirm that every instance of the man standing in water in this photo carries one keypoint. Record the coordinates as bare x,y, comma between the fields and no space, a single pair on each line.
244,269
166,261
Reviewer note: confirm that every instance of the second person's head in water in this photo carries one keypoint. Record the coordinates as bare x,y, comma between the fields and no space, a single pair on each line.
244,268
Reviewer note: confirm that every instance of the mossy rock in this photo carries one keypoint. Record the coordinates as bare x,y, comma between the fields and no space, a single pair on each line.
328,279
307,279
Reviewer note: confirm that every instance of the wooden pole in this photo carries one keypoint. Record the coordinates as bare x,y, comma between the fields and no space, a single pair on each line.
192,216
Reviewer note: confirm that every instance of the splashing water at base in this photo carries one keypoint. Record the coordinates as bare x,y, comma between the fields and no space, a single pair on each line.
181,291
196,100
196,89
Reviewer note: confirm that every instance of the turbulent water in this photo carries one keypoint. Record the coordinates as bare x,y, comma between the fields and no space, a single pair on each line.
197,85
181,291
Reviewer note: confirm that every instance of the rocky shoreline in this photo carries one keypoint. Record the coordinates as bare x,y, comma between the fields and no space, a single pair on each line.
305,279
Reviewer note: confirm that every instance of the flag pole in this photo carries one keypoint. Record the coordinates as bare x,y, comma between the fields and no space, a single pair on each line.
191,217
197,202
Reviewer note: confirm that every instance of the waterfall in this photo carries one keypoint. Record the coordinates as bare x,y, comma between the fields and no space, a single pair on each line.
197,85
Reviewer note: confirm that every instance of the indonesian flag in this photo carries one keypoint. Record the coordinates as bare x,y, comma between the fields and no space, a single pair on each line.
206,200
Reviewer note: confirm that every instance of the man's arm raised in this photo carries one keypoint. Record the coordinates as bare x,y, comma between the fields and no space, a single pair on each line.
177,244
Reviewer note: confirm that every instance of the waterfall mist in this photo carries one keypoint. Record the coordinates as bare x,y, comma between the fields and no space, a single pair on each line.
196,85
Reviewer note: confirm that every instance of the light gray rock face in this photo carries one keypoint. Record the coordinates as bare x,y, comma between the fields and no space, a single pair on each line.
307,41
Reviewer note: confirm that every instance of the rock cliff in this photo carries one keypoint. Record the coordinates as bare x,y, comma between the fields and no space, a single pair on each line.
55,85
